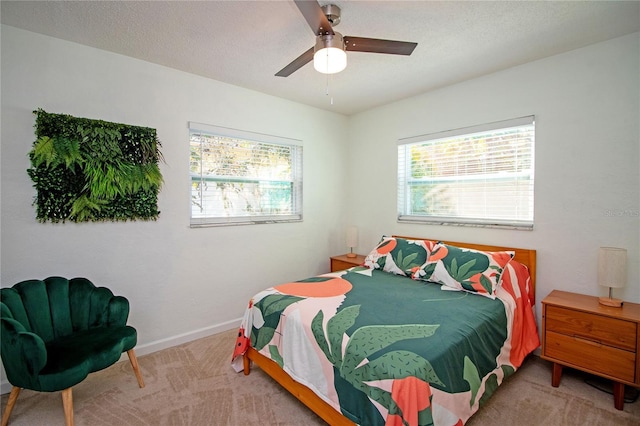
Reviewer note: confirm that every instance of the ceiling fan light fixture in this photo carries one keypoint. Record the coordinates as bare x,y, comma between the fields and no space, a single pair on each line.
329,55
329,52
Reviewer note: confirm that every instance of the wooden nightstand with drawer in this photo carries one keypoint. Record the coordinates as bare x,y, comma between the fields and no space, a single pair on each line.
580,333
339,263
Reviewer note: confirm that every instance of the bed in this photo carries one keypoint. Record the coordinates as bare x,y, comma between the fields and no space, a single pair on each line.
423,333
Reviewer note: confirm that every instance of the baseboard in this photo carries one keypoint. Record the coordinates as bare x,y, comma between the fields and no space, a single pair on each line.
179,339
158,345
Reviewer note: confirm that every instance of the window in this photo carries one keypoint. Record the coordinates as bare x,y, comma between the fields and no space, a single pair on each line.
240,177
481,175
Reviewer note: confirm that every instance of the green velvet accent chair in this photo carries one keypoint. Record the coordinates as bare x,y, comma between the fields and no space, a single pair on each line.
54,332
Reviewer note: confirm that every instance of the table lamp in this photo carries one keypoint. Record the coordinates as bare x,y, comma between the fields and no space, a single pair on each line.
612,272
352,240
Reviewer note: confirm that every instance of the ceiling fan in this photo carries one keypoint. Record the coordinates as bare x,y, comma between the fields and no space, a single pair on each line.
329,53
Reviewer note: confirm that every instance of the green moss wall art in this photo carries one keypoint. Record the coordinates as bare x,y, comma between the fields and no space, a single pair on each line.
91,170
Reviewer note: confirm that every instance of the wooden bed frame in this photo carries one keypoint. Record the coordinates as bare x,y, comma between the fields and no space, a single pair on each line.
317,404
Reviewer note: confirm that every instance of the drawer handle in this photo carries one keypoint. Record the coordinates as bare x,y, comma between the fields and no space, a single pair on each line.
587,341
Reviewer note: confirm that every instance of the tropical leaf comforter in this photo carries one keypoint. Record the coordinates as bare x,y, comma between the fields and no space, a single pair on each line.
385,349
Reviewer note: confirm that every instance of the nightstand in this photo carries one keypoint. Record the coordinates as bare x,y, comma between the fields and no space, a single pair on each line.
580,333
339,263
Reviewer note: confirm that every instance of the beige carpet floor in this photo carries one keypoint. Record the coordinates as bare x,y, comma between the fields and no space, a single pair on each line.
193,384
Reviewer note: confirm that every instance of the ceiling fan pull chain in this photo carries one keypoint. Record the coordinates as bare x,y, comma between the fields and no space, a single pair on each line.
326,87
326,90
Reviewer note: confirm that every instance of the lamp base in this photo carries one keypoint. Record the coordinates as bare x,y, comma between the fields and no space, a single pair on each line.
351,255
607,301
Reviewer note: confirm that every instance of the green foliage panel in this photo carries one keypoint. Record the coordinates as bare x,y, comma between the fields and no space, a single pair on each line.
93,170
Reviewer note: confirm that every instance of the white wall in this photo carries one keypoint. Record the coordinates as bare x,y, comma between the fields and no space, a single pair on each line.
587,184
181,282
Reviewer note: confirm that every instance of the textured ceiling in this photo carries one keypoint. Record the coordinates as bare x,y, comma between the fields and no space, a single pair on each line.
245,43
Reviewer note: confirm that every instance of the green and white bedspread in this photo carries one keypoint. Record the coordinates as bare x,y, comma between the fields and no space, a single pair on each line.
388,350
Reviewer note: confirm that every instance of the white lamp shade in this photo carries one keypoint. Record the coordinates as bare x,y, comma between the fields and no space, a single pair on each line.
330,60
612,267
352,236
329,56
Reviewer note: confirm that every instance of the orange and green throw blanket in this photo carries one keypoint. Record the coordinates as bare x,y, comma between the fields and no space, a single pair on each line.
384,349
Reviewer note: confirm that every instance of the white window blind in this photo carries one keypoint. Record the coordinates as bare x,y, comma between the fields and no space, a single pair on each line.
240,177
481,175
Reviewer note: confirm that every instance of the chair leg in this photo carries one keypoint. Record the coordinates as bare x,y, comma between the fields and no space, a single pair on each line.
136,367
67,405
13,397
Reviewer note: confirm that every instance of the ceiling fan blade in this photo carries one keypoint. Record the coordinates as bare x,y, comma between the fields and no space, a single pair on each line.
297,63
375,45
315,17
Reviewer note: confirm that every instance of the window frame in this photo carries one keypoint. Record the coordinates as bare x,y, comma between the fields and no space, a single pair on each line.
403,196
254,138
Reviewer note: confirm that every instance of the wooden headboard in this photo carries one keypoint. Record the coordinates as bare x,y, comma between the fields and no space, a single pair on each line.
525,256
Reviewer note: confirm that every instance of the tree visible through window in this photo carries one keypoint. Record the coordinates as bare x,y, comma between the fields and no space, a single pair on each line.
241,177
482,175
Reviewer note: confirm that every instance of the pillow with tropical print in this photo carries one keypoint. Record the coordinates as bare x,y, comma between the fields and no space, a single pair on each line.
400,256
466,269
